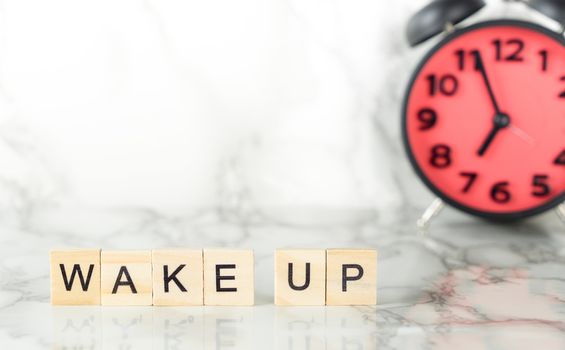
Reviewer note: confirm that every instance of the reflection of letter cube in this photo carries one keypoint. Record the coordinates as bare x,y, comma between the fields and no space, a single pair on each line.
75,277
300,277
351,277
228,277
177,277
126,277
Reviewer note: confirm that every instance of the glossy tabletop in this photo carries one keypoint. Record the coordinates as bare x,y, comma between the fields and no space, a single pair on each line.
467,282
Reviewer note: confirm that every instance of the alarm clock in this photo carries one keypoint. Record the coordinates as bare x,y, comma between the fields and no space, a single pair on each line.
483,120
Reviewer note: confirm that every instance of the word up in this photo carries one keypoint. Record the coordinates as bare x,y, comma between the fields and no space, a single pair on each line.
185,277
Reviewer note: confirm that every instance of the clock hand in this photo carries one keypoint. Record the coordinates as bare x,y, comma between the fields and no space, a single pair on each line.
522,135
500,120
481,67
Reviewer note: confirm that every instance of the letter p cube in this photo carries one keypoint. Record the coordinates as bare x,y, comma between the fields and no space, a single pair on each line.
351,277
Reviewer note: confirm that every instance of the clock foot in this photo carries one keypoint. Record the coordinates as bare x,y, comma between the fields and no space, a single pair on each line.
432,211
560,210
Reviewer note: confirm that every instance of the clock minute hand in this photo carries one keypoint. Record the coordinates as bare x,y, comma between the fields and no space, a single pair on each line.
500,120
481,67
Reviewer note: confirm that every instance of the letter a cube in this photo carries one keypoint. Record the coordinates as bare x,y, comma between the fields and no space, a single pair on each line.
126,277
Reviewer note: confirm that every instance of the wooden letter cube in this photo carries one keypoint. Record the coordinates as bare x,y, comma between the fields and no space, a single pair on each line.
75,277
300,277
228,277
126,277
177,277
351,277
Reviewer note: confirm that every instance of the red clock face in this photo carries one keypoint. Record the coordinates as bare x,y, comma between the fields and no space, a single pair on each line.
484,119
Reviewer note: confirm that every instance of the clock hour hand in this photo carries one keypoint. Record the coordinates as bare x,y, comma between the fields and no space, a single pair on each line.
501,120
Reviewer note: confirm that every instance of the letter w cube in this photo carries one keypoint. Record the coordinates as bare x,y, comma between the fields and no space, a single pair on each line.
75,277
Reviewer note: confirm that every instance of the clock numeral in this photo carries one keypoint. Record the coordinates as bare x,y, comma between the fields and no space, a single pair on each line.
446,85
513,49
544,60
499,192
562,94
560,160
541,188
462,58
470,181
427,118
441,156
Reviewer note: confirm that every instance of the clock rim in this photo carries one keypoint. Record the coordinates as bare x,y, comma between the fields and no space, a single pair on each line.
496,216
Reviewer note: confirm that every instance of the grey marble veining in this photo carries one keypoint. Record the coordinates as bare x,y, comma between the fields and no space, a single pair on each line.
257,124
466,282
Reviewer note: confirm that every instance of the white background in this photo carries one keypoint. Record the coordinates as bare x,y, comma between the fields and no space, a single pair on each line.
245,106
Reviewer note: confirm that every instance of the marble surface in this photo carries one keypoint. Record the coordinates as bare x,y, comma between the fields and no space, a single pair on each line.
260,124
466,283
